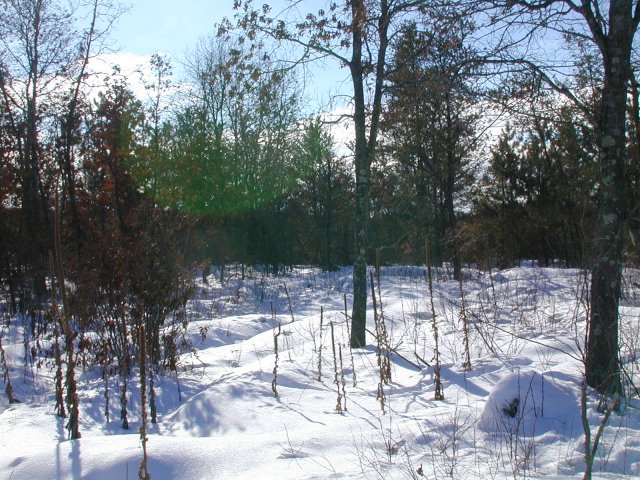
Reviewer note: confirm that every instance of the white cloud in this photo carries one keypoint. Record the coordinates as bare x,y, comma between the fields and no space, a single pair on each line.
132,68
341,128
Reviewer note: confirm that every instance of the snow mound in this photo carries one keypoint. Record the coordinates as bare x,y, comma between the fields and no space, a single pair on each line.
531,403
221,408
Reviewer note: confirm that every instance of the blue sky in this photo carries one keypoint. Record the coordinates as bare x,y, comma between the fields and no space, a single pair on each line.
168,26
174,28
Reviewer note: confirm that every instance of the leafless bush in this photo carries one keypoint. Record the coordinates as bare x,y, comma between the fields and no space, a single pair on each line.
443,439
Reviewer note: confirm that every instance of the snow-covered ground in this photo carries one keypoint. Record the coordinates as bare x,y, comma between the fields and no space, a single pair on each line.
220,418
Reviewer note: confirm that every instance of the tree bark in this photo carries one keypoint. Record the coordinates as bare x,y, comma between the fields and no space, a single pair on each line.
363,173
602,353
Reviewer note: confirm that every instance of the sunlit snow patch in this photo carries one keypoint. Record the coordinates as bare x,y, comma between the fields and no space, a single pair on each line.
530,403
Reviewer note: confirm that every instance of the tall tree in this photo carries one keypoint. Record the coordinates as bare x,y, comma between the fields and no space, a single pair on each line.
323,194
535,199
357,36
131,275
227,156
44,54
430,123
35,37
88,42
607,30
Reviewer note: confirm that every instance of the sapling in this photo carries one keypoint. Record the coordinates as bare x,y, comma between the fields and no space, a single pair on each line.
105,377
71,397
286,291
380,396
320,346
289,451
512,418
172,356
466,365
342,381
382,351
5,375
143,473
383,330
445,439
274,383
60,410
206,271
353,365
590,442
152,398
382,340
438,394
57,271
336,381
493,293
124,369
591,445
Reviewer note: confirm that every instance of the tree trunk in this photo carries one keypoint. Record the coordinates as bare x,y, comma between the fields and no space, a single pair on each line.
363,171
453,162
364,152
602,363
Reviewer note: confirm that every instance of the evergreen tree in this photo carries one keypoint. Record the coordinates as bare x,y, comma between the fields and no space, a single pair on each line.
430,123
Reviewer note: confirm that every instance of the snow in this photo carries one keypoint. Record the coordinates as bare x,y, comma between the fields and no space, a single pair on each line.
219,418
531,403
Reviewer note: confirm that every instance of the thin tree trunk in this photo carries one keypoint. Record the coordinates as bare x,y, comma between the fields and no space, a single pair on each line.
34,207
364,152
68,137
143,473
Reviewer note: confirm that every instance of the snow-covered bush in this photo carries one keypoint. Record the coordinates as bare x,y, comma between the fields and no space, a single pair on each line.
531,403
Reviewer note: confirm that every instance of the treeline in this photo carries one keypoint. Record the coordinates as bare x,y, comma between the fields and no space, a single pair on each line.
236,170
443,174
